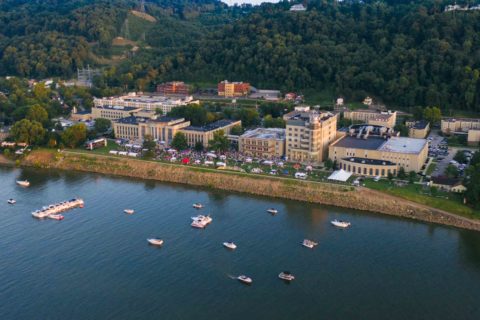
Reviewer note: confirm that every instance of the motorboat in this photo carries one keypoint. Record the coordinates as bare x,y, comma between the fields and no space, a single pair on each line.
244,279
204,219
230,245
309,243
272,211
11,201
286,275
155,242
198,205
56,216
340,223
198,224
129,211
23,183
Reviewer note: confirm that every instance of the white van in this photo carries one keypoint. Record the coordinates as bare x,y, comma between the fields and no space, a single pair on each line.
301,175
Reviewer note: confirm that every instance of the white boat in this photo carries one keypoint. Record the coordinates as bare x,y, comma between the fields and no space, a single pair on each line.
244,279
286,275
203,219
129,211
230,245
198,205
340,223
198,225
56,217
272,211
155,242
23,183
309,243
11,201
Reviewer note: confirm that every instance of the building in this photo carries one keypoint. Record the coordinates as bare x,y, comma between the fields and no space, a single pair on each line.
173,88
308,134
113,112
418,129
373,151
266,143
473,137
368,101
80,115
269,95
459,125
144,102
373,117
233,89
161,129
205,134
298,8
447,184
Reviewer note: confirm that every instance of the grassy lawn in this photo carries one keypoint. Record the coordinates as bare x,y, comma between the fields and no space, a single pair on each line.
431,168
416,193
111,145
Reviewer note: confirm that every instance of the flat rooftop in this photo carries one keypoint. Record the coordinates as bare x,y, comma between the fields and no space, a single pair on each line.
420,125
119,108
212,126
372,143
403,145
393,144
265,133
461,119
137,120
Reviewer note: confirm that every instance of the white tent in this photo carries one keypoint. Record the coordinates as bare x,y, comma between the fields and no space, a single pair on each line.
340,175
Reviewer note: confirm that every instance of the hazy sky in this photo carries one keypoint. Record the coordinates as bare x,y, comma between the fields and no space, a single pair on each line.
230,2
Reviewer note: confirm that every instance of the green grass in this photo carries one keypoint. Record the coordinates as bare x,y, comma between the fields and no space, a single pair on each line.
323,97
444,201
111,145
431,168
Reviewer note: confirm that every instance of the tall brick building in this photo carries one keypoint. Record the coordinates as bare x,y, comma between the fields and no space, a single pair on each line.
233,89
174,87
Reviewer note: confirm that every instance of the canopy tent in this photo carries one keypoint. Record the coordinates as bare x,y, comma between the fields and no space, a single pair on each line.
340,175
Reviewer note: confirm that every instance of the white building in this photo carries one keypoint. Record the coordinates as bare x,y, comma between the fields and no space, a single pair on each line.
298,7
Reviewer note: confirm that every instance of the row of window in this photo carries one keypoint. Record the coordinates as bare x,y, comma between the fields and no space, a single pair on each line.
369,171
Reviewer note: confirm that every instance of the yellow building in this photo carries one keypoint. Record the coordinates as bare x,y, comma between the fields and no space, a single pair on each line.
308,134
473,137
373,117
205,134
376,153
233,89
266,143
418,129
162,129
451,125
113,113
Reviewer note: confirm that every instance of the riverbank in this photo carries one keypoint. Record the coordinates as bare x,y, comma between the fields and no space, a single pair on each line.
314,192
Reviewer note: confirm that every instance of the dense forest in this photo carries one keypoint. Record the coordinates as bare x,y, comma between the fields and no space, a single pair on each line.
405,53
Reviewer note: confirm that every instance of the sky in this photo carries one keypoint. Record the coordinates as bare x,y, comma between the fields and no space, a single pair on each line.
231,2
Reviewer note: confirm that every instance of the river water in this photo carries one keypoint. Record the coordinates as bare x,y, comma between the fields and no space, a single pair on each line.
96,263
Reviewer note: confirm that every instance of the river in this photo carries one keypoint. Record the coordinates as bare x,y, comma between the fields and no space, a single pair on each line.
96,263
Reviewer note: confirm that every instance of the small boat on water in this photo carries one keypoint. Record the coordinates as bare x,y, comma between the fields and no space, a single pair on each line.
198,224
309,243
56,216
340,223
203,219
198,205
230,245
155,241
286,275
272,211
23,183
244,279
11,201
129,211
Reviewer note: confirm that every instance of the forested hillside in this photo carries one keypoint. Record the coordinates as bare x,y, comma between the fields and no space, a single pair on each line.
405,53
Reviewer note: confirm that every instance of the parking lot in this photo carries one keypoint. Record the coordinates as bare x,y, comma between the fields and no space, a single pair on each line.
439,150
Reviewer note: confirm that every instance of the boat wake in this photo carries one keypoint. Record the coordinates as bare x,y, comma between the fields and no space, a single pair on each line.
232,277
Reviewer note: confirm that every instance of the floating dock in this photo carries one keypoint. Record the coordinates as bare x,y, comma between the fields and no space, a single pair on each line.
53,210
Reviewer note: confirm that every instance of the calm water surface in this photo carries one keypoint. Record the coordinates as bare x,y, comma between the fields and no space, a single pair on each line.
96,264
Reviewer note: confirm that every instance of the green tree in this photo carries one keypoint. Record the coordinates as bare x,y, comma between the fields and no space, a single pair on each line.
460,157
390,175
451,171
150,145
102,125
37,113
159,112
412,175
270,122
75,135
179,141
198,146
219,142
472,182
31,132
402,129
328,164
236,130
401,173
432,114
